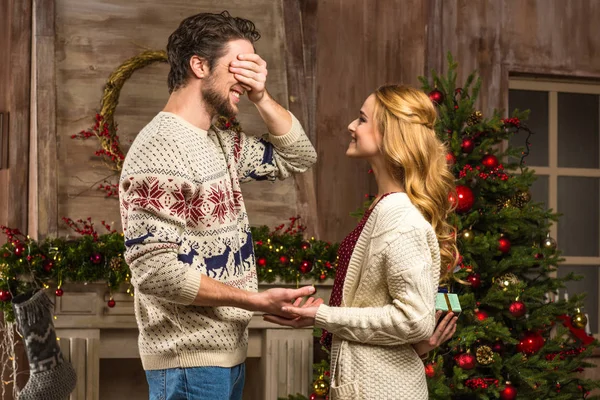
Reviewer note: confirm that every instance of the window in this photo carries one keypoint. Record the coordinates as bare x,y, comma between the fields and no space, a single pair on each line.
565,153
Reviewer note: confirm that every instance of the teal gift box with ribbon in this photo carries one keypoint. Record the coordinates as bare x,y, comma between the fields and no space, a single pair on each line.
447,302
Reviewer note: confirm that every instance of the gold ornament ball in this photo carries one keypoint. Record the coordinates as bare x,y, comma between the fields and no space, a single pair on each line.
485,355
320,387
507,280
579,320
467,235
549,243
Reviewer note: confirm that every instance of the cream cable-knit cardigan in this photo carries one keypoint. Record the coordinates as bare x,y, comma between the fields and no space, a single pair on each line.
388,303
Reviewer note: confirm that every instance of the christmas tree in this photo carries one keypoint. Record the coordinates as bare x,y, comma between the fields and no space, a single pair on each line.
515,338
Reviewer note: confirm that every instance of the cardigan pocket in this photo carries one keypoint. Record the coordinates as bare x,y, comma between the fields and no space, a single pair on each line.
347,391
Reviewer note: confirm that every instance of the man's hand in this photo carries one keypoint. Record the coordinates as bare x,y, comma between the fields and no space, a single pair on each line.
309,308
251,71
443,332
274,301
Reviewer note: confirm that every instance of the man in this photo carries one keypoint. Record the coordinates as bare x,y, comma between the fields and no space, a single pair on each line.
187,235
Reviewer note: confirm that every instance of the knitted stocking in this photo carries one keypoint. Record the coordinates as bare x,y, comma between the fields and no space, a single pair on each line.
51,377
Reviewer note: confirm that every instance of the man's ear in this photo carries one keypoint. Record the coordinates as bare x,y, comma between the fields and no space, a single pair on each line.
199,67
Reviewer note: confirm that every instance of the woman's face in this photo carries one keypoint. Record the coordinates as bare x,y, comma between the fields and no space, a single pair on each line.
365,138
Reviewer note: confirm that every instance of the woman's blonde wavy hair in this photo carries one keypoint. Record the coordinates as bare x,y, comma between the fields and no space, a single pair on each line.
405,118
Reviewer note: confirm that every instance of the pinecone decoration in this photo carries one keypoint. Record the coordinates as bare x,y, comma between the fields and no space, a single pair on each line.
521,198
116,263
475,118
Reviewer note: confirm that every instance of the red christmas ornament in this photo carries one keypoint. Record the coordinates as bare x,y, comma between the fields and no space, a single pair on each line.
490,161
19,249
305,267
474,279
328,265
111,303
284,260
517,309
305,245
504,245
5,295
467,146
531,343
323,277
466,361
481,315
262,261
429,370
48,265
313,396
450,158
498,346
436,96
539,256
59,292
464,199
96,258
509,392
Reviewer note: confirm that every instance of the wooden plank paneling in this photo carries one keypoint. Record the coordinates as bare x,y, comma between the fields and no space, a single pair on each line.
361,45
300,44
92,38
43,199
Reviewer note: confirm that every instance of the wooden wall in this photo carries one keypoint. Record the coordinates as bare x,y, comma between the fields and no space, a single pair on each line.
325,57
365,43
91,39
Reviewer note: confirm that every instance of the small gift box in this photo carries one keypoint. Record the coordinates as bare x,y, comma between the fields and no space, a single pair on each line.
447,302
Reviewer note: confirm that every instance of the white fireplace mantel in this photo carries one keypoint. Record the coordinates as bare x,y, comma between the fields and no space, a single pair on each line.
89,331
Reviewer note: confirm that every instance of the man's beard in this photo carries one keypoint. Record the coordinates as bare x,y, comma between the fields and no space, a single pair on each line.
217,104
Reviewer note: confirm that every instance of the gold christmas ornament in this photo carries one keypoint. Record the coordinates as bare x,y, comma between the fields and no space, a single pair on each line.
507,280
320,387
467,235
549,243
579,320
475,118
485,355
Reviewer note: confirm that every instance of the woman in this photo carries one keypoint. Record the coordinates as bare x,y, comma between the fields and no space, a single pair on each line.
382,308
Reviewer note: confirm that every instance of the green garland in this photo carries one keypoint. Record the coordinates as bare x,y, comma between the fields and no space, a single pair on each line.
26,264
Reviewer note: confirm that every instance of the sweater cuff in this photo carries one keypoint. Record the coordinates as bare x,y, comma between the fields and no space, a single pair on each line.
190,288
290,137
323,314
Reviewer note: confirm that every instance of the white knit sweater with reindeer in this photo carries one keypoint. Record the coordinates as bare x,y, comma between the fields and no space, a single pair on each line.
183,217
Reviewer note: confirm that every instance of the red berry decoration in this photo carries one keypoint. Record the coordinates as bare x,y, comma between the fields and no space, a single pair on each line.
429,370
531,343
284,260
467,146
509,392
5,295
436,96
490,161
328,265
262,261
59,292
517,309
305,267
48,265
474,279
464,199
111,303
466,361
450,158
481,315
504,245
96,258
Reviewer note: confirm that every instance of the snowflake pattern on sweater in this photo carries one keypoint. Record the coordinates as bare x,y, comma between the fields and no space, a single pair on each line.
183,217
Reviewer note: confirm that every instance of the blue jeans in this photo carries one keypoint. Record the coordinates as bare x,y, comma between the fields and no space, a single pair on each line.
201,383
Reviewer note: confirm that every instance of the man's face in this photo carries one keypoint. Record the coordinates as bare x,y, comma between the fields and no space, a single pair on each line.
221,91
